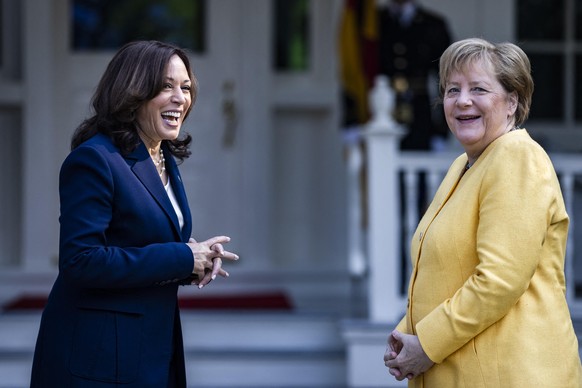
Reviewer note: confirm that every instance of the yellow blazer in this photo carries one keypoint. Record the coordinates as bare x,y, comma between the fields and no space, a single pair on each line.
487,291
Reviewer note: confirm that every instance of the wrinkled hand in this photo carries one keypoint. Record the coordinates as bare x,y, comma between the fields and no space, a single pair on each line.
393,348
405,357
208,257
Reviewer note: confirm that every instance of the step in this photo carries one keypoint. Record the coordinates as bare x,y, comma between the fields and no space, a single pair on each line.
235,349
264,350
17,339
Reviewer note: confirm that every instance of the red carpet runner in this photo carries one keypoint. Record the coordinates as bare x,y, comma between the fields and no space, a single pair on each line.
261,301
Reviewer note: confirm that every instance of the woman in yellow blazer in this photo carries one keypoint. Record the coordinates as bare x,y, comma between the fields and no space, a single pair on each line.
487,305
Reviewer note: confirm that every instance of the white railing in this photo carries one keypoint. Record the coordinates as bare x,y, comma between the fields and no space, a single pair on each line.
376,252
569,170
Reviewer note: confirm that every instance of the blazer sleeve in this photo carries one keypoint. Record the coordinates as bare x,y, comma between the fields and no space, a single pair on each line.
402,326
519,198
89,256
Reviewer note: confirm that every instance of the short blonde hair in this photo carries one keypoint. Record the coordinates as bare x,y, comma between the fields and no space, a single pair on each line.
510,65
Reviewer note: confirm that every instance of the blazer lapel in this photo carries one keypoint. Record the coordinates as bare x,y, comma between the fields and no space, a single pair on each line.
144,170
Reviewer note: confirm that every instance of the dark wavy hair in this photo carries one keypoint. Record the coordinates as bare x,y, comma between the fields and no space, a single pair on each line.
134,76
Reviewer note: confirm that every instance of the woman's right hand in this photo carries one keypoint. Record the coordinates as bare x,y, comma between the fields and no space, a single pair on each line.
208,257
405,357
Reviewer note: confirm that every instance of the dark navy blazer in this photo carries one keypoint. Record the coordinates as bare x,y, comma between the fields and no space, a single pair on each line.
112,315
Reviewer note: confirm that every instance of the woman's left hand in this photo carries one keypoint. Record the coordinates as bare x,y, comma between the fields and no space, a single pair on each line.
208,257
405,356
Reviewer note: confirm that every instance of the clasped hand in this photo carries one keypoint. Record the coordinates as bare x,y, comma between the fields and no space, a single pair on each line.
405,357
208,257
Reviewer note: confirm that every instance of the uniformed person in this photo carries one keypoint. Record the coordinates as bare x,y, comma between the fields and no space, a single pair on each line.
412,40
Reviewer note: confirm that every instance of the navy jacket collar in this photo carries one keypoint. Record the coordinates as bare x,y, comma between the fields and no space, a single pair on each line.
143,167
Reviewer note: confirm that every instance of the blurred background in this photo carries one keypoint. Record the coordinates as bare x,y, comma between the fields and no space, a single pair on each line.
275,136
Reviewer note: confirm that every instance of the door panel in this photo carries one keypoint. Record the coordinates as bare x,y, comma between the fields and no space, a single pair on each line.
213,174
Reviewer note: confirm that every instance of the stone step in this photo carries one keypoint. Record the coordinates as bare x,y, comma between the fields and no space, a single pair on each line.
222,349
267,369
263,350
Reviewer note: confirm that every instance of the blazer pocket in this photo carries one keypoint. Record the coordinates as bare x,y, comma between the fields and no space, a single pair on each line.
470,365
106,345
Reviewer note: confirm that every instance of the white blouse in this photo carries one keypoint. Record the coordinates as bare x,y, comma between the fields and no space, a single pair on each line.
175,204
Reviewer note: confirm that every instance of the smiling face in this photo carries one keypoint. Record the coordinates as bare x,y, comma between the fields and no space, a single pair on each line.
477,108
161,117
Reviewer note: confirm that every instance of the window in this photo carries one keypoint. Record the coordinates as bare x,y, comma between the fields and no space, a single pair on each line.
291,43
551,34
2,34
11,40
540,20
108,24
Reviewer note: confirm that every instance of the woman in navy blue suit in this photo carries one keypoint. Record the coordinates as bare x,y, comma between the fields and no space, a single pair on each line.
112,316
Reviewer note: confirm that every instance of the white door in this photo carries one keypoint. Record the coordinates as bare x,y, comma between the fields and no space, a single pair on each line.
213,174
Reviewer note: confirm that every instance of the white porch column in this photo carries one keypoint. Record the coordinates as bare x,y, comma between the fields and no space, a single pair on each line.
366,338
39,168
383,133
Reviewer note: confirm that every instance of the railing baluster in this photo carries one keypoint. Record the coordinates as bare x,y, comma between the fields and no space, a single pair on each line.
411,182
567,183
356,257
434,178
